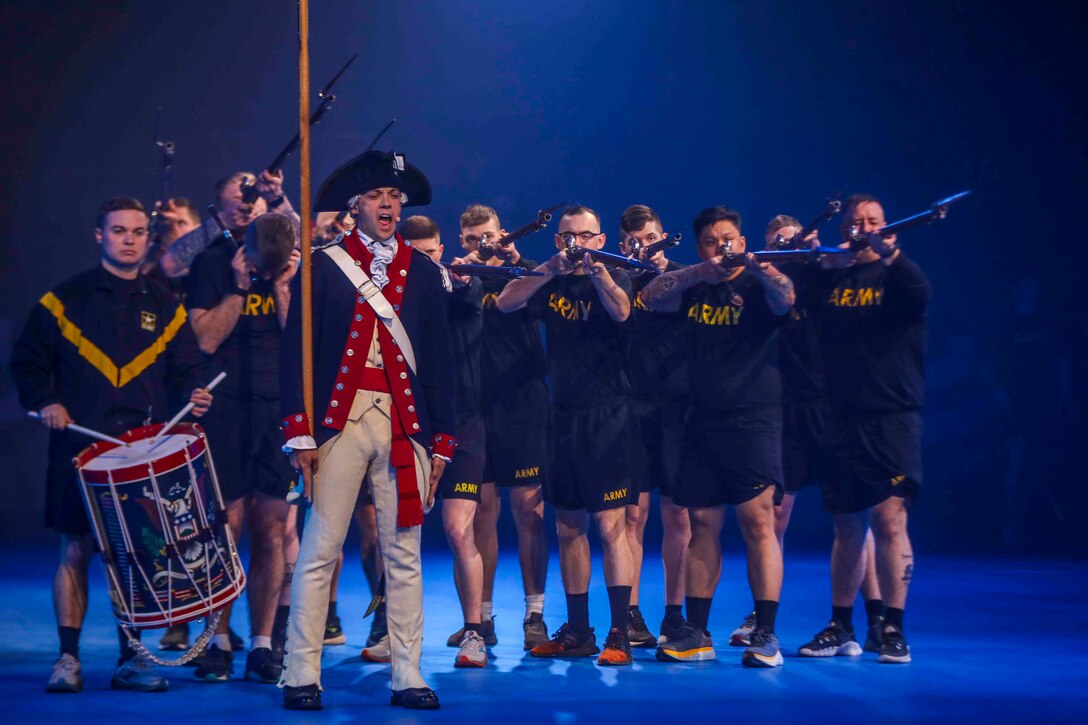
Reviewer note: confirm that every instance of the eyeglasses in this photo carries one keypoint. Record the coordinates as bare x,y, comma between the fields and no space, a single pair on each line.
582,237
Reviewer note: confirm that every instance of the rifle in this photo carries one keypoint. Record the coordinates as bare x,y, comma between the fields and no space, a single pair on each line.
833,207
487,247
249,190
640,252
167,168
616,261
219,223
484,270
939,210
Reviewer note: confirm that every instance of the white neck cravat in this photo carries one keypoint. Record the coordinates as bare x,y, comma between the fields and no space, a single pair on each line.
383,254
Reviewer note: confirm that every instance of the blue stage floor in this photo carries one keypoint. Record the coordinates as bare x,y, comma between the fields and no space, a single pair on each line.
992,640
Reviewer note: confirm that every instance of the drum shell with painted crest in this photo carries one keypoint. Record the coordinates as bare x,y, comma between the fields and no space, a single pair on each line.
160,523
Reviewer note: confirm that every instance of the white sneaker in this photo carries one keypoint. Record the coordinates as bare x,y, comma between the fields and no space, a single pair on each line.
473,651
378,653
67,675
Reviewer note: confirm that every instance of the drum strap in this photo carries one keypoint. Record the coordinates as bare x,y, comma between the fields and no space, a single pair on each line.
370,292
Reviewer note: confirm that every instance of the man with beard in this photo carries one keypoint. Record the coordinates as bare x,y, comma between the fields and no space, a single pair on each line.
732,451
583,306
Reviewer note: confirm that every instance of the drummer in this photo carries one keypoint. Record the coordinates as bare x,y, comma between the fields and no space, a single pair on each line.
109,349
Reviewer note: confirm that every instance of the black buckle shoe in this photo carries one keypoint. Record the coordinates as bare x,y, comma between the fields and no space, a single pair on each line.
307,697
415,698
262,666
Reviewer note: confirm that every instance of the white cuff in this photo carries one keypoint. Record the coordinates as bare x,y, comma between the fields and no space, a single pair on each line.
447,460
299,443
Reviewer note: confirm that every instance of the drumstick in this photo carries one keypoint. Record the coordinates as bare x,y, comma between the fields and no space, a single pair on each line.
185,411
80,429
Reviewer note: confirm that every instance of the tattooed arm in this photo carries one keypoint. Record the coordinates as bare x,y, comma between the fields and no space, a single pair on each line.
777,287
178,256
666,292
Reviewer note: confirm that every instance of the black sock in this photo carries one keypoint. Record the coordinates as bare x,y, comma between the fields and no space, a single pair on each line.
698,612
874,610
472,627
674,611
844,616
894,617
127,652
619,599
69,641
766,611
578,611
332,610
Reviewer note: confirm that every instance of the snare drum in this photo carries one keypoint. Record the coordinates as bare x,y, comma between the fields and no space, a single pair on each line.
161,526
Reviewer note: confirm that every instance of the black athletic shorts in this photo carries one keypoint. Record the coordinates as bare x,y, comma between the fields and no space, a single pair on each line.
590,463
246,443
729,458
65,509
806,438
655,447
873,458
465,473
517,437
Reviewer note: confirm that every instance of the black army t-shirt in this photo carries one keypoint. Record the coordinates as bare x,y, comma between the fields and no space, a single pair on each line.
586,364
513,352
872,331
732,342
250,354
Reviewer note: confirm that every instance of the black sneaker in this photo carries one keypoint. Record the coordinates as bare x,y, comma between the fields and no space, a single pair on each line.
893,646
567,642
834,639
874,635
215,665
262,665
536,632
670,627
334,633
637,633
378,626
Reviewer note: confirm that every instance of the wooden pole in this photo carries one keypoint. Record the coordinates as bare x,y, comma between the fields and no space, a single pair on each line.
304,207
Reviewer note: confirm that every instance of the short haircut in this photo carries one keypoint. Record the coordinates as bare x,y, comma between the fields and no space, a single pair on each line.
578,209
419,227
477,214
636,217
781,222
270,239
118,203
227,180
183,203
712,215
854,199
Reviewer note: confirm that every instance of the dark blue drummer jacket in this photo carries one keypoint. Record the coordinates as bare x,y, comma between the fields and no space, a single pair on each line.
422,310
114,352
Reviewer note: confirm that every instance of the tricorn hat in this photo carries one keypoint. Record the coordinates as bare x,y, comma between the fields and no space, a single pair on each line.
373,170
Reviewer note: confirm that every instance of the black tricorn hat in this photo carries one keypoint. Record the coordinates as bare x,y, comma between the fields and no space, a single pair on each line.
373,170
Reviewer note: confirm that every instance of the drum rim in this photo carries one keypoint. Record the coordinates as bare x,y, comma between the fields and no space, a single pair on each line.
130,473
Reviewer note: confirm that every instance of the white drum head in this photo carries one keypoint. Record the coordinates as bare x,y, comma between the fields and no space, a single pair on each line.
139,452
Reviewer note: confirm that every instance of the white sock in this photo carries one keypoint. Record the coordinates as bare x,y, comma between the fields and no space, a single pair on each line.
222,641
485,611
534,603
257,641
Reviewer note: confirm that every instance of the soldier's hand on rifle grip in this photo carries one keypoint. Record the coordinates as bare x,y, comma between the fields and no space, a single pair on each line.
458,280
270,187
305,462
712,271
560,264
884,247
591,266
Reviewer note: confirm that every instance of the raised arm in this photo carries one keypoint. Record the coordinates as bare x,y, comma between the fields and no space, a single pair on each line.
777,287
666,292
614,298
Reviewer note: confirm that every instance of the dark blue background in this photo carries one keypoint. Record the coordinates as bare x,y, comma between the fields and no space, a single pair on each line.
767,106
